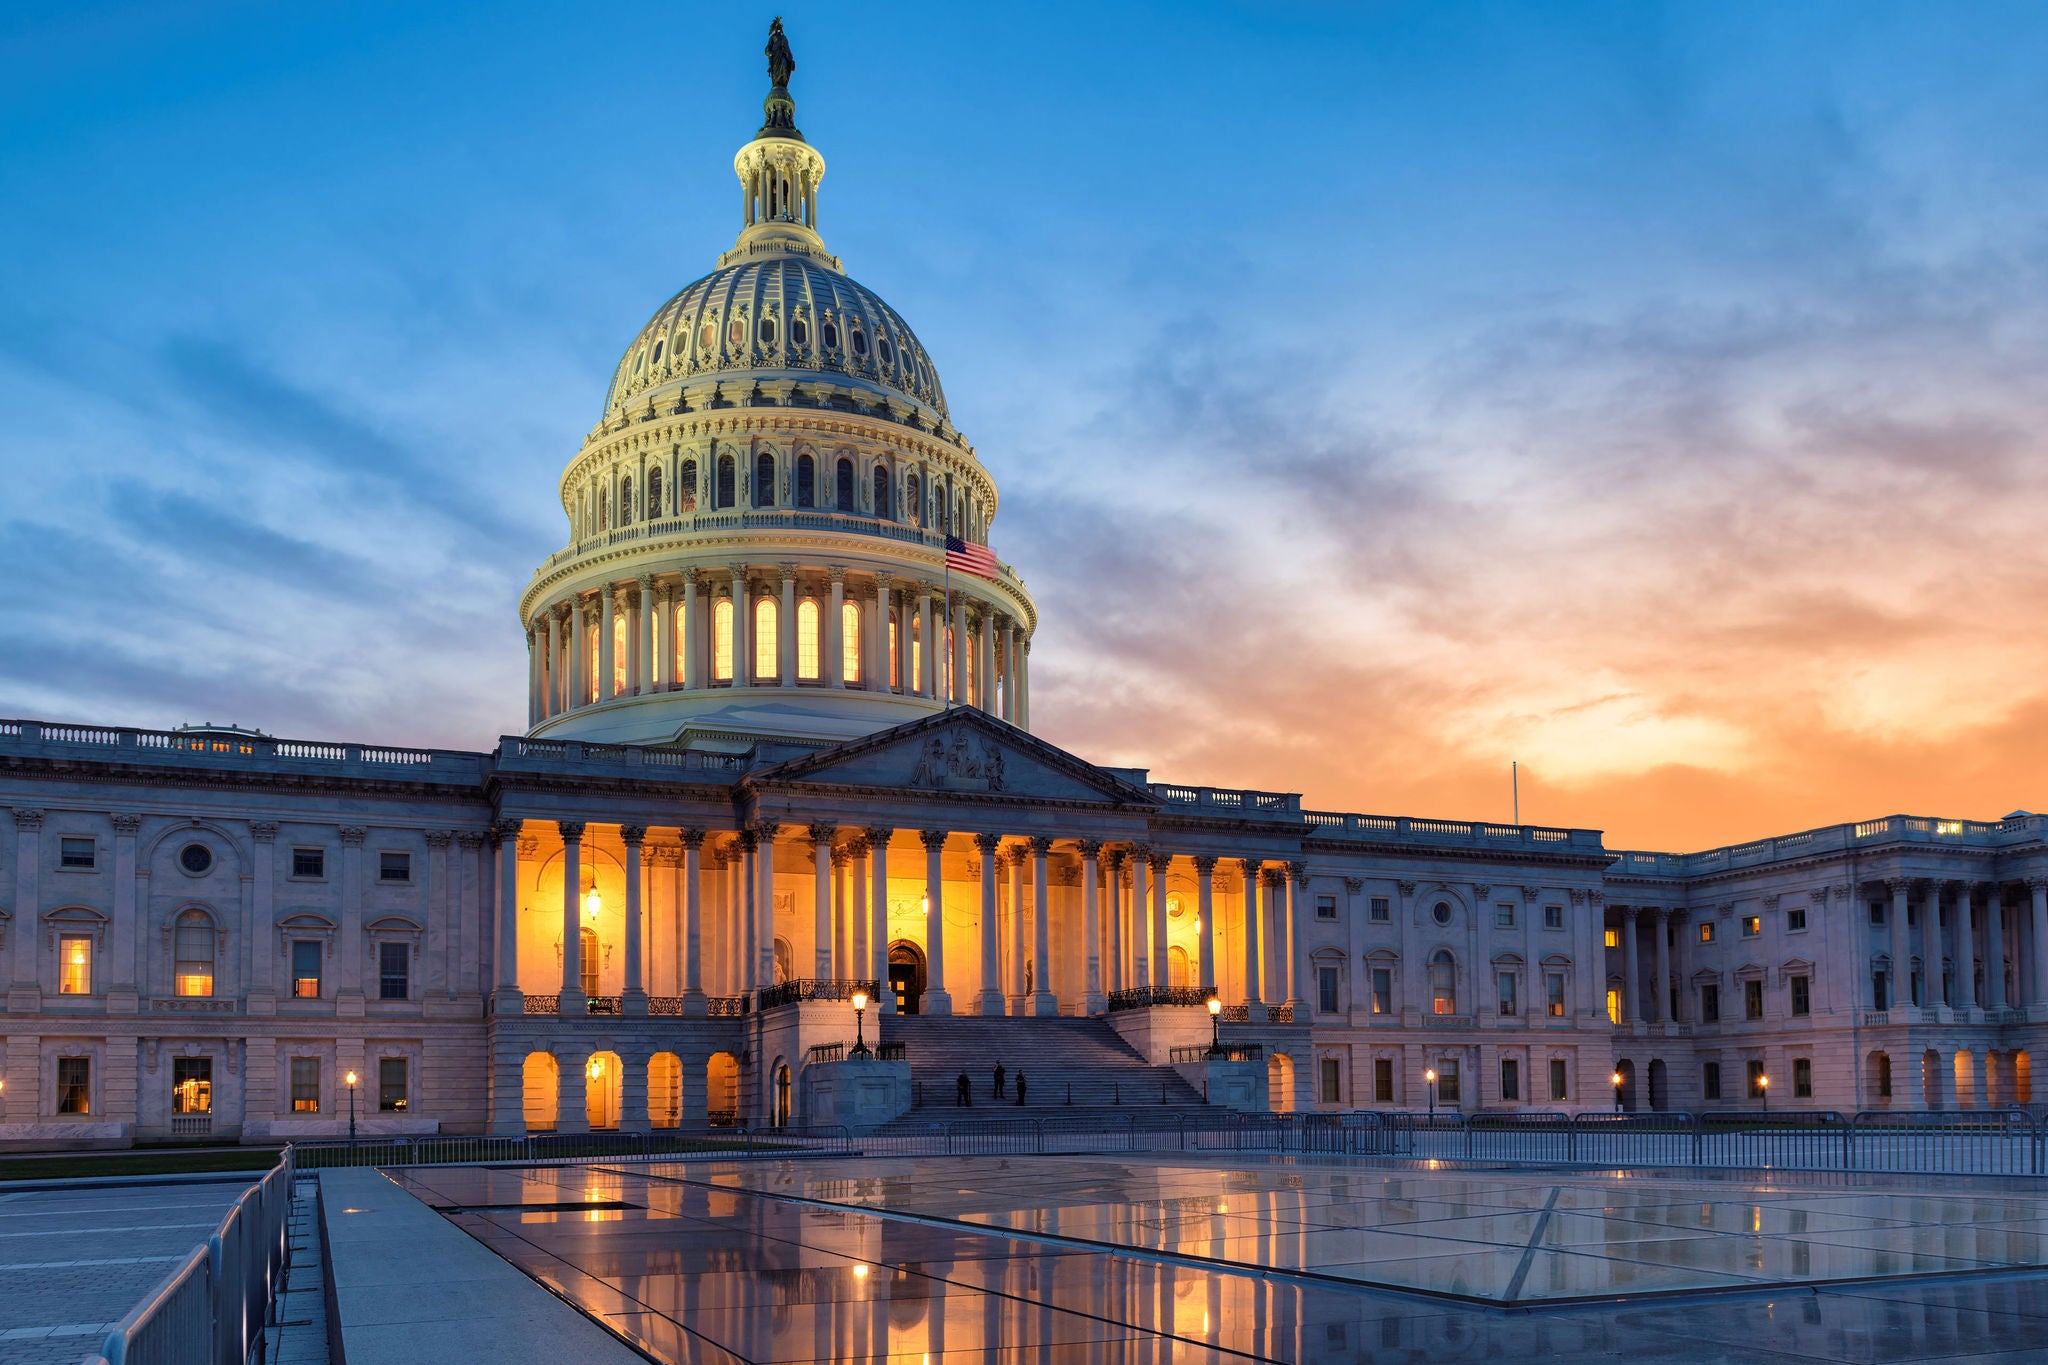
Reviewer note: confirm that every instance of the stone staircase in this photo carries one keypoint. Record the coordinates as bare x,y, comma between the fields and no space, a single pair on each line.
1076,1067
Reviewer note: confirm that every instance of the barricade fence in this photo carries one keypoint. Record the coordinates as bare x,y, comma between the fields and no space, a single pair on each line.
211,1310
539,1148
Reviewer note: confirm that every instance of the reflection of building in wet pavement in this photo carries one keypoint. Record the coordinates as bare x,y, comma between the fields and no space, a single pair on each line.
1082,1258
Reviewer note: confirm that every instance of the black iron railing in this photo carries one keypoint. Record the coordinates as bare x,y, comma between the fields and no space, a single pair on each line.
726,1006
1238,1052
790,992
1144,996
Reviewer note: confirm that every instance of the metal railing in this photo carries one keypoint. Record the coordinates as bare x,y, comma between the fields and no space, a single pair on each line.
1143,996
1210,1130
1229,1052
212,1308
536,1148
790,992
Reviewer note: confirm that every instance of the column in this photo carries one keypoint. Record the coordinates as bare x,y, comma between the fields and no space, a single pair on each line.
693,924
1010,669
834,671
956,685
785,629
1205,884
1966,950
1631,998
742,629
1295,876
821,836
123,991
937,1000
1043,1002
443,940
1994,947
764,902
1091,926
1162,957
651,636
665,638
607,660
985,670
28,863
1660,990
1020,941
582,685
845,966
874,654
928,654
1141,919
2038,887
860,964
740,885
1113,927
877,838
348,944
634,998
573,1000
551,671
1024,684
693,633
990,1001
1254,930
505,995
532,677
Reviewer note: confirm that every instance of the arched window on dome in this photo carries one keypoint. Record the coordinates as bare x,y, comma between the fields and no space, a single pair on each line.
721,641
799,331
622,653
849,643
883,509
626,501
830,333
860,342
764,479
895,653
726,496
808,652
679,666
686,487
604,509
915,681
765,328
843,486
654,503
656,358
767,648
806,481
590,662
707,336
913,499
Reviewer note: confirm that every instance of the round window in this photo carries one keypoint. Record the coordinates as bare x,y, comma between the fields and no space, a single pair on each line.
707,336
736,334
799,331
767,331
1443,912
860,342
832,335
196,859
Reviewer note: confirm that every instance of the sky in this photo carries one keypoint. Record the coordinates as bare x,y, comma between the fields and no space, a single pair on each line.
1379,394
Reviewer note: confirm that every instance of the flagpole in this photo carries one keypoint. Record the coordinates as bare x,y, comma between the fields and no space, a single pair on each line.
946,627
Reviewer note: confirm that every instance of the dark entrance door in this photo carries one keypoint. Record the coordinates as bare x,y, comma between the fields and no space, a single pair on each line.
906,976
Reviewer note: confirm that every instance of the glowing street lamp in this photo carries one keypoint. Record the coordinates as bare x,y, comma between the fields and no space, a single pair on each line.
1430,1076
350,1080
1215,1005
860,1042
1616,1078
1763,1088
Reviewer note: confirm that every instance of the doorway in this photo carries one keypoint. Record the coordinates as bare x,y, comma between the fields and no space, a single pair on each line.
906,975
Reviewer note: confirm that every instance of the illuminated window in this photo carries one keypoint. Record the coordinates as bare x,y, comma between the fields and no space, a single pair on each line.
193,958
621,649
192,1085
591,675
1614,938
1382,990
686,487
1613,1005
806,481
765,665
1752,925
913,500
1706,931
1553,986
305,1085
74,1085
721,641
764,480
74,956
587,969
807,649
849,642
916,653
1443,983
391,1087
680,666
1755,1071
306,969
895,655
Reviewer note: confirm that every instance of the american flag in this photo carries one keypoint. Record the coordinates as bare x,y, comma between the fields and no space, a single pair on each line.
974,559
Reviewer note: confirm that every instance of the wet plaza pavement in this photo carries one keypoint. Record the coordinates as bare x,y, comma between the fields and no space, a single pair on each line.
1091,1258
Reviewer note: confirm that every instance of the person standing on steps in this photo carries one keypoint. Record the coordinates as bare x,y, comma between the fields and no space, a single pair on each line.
999,1081
1020,1090
963,1093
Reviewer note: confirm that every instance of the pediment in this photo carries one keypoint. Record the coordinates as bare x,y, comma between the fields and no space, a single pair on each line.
959,752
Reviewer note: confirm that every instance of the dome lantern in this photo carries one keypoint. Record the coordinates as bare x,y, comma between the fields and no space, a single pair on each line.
779,173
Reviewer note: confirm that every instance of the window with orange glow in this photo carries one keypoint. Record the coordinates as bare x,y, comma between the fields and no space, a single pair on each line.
849,642
721,641
620,653
193,953
1443,983
895,656
74,954
808,653
765,641
679,668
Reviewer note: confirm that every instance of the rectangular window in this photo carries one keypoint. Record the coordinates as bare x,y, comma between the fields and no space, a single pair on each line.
1381,910
1332,1080
1752,925
394,867
1553,994
1504,916
849,643
1752,999
895,658
306,969
192,954
1510,1079
192,1085
394,978
74,958
1706,931
1613,938
1383,1080
309,862
1756,1080
391,1096
1802,998
1884,1075
1613,1005
809,650
1326,989
1802,1078
1559,1089
305,1085
1553,917
1880,991
1877,912
1326,907
74,852
1447,1080
74,1085
1710,1081
1710,1004
1795,921
621,653
679,633
1509,1001
1382,990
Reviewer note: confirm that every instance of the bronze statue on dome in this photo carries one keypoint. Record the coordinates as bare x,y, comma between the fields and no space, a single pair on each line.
780,62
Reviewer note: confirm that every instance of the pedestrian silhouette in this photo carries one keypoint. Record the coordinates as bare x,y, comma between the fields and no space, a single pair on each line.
999,1081
1020,1090
963,1093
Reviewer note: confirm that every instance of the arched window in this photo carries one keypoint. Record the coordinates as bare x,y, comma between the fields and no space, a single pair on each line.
604,509
621,653
806,481
626,501
654,507
193,952
590,673
913,500
680,665
843,486
860,341
1177,967
807,651
916,679
721,641
686,487
849,643
831,334
882,507
764,480
895,653
587,977
1443,983
726,496
765,643
657,350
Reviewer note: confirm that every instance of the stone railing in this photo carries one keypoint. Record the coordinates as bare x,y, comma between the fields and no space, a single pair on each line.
517,751
124,744
1909,829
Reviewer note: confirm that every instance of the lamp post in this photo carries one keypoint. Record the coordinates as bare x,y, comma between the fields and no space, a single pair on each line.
1215,1005
1430,1076
351,1081
1616,1078
860,1042
1763,1088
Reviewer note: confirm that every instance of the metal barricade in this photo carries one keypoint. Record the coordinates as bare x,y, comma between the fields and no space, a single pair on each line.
1600,1138
994,1137
1060,1134
1539,1137
1947,1141
1797,1139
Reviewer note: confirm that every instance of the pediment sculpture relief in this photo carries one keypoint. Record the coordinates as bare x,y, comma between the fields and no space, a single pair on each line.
956,763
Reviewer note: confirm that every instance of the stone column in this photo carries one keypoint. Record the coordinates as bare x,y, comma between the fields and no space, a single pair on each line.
845,966
651,637
928,654
552,682
1043,1002
861,962
1162,956
1899,987
123,992
1994,947
633,1088
1024,684
443,940
634,999
694,1005
607,657
821,836
834,633
937,1000
532,677
573,1000
990,1001
985,669
1254,976
506,999
742,629
1296,880
1205,890
764,902
665,649
1660,991
956,685
1966,950
874,657
877,838
2038,888
1010,669
785,628
1141,919
1091,926
1113,927
693,633
1631,998
1020,939
348,945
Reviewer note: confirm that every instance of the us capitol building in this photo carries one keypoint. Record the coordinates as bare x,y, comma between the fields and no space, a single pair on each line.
778,751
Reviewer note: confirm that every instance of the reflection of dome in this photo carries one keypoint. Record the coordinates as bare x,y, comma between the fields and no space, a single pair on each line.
777,316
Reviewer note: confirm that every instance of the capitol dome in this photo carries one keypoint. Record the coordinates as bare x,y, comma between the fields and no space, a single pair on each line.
777,539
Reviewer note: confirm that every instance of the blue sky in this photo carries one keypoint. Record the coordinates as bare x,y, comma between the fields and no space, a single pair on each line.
1378,392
